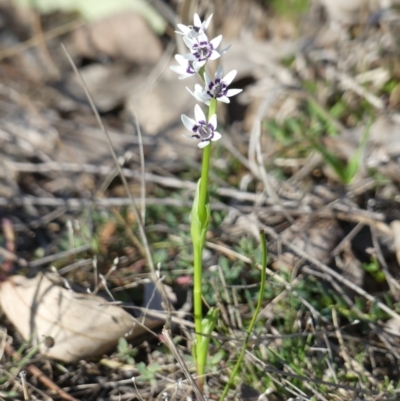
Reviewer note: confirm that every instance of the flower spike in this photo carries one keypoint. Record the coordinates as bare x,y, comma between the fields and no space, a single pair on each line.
200,128
198,28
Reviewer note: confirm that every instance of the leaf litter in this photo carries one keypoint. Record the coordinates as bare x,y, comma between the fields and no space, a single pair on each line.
330,327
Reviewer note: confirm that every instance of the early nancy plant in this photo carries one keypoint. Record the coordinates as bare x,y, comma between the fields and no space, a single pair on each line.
203,129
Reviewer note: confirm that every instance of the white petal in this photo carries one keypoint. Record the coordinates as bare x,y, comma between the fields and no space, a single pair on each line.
197,95
233,92
216,136
202,37
224,99
198,113
192,93
216,41
180,59
198,88
206,98
220,72
228,78
189,57
198,64
185,29
178,69
188,42
213,121
203,144
223,51
188,122
214,55
184,59
207,80
197,20
207,22
184,76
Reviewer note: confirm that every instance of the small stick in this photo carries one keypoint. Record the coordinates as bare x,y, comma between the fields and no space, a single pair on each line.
60,255
182,364
38,374
22,375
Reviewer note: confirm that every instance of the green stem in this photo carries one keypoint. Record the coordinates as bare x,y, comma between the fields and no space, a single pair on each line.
197,300
198,250
205,167
235,370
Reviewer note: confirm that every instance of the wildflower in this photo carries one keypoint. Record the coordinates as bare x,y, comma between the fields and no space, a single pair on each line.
195,30
202,50
202,130
186,68
217,89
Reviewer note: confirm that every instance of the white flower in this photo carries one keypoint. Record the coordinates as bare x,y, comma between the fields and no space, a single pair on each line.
201,129
202,50
195,30
217,89
186,68
199,93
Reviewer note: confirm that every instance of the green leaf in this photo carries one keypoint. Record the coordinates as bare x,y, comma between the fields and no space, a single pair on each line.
123,345
331,159
354,162
207,327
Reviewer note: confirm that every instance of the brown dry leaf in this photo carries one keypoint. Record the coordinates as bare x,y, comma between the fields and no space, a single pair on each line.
81,325
124,36
317,237
109,84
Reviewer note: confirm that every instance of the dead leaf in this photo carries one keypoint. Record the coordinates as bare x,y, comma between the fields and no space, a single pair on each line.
317,237
81,325
121,36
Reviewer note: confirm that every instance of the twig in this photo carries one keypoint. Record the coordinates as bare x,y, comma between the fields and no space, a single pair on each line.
349,83
22,375
256,160
182,364
38,374
12,256
60,255
327,270
128,173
